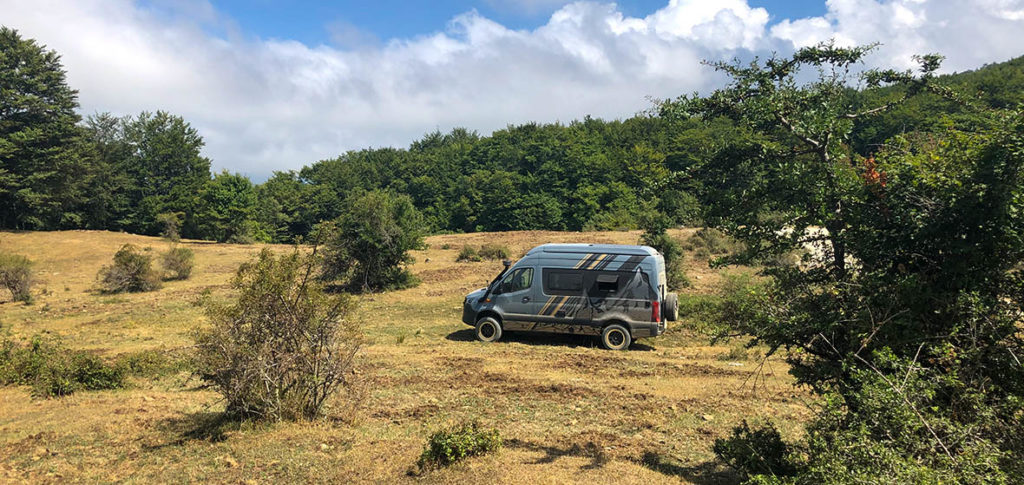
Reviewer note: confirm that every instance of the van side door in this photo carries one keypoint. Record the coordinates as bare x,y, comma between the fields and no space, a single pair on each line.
515,296
565,297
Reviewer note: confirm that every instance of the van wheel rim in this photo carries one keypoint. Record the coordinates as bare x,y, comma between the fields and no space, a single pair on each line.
616,338
487,330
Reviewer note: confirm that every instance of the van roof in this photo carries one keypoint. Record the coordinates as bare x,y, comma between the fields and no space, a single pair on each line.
595,248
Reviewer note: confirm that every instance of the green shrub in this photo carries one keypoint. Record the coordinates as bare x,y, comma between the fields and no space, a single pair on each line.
55,371
468,255
151,363
16,276
494,251
132,271
656,236
754,452
446,246
177,263
283,346
449,446
367,247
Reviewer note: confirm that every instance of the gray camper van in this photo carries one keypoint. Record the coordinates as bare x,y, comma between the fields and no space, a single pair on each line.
613,291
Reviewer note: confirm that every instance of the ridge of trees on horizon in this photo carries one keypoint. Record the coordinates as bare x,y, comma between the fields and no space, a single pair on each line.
123,173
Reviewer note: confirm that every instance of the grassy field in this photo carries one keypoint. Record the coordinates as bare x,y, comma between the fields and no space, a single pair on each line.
568,410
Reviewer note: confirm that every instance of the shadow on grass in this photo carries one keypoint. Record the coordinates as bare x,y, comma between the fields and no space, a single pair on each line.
707,473
538,338
211,427
597,456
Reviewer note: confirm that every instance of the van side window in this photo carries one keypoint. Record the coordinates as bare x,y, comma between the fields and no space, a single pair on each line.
520,279
563,282
607,283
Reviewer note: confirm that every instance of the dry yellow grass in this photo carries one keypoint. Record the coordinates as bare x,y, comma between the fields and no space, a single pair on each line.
569,411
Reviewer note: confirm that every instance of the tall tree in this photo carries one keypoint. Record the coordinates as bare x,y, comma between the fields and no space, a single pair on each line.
40,185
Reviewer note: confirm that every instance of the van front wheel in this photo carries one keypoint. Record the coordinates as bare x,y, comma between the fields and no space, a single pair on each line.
615,337
488,329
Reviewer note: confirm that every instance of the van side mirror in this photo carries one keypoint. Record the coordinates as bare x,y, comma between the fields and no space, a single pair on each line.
506,263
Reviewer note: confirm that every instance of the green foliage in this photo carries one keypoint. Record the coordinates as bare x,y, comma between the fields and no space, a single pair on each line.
132,271
41,162
904,312
16,276
468,254
53,370
226,210
368,247
756,452
656,236
452,445
151,363
283,347
170,223
177,263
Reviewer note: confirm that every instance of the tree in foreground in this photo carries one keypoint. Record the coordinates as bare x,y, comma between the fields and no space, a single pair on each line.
367,248
283,347
904,317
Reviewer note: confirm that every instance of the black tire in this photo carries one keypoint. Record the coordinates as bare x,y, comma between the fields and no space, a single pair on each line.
671,307
616,337
488,329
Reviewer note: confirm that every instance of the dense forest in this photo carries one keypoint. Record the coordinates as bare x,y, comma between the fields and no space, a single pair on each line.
135,173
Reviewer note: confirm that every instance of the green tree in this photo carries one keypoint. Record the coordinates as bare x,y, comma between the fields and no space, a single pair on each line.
166,168
40,144
367,248
905,314
226,209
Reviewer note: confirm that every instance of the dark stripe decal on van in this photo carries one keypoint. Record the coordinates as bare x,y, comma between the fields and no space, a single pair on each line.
589,258
554,306
604,264
631,264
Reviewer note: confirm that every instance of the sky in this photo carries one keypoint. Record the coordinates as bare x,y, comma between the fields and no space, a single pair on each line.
275,85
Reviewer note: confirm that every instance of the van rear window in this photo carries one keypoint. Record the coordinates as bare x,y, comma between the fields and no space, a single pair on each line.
557,282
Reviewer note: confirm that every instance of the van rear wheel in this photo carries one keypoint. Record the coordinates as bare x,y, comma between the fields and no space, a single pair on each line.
615,337
488,329
672,307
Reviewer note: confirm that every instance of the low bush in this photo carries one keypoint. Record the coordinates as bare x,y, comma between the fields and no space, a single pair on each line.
132,271
16,276
468,255
759,451
177,263
494,251
446,447
54,371
151,363
711,242
284,346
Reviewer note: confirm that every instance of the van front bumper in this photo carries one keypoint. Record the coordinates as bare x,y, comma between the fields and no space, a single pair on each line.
468,313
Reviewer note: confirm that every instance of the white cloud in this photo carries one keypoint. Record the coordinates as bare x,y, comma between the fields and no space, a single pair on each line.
266,105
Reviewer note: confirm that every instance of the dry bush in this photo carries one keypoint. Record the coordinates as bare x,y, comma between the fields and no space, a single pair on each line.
132,271
177,263
16,276
284,346
468,255
494,251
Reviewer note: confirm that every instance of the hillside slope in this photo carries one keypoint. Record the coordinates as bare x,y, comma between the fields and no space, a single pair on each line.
569,411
